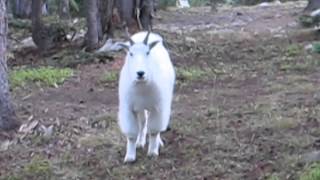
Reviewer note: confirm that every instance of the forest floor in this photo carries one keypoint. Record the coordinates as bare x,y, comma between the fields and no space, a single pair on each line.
246,105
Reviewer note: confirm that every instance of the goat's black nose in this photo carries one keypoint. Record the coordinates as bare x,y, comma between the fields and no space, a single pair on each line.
140,74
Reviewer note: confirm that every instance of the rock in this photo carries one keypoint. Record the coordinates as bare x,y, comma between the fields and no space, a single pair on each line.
182,4
109,46
308,47
191,39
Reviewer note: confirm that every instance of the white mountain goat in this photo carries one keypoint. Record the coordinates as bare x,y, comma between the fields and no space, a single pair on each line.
145,93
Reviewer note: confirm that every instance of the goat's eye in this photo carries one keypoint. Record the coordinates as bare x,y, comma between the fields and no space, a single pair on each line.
130,53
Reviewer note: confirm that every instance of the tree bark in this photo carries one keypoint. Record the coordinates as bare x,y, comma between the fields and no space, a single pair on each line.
39,33
147,9
22,8
7,114
213,6
64,9
312,5
105,14
92,37
128,14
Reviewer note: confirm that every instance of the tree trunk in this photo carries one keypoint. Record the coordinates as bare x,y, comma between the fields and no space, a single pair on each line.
64,9
128,14
312,5
105,14
7,114
9,7
22,8
92,37
213,6
147,9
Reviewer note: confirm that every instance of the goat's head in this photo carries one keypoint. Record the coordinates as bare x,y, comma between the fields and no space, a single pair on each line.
140,65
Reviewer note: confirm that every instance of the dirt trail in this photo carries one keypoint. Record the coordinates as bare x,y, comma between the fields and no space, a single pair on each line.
251,112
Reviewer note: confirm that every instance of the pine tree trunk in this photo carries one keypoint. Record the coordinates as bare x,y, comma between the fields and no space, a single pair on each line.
40,34
147,9
64,11
7,113
22,8
92,37
105,14
312,5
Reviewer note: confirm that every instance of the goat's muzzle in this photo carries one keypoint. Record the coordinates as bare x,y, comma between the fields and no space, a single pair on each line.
140,75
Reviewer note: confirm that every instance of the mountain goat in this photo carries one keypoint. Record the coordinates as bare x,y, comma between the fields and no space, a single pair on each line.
146,87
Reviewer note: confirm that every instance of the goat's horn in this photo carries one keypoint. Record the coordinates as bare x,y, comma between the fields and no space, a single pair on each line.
145,41
131,41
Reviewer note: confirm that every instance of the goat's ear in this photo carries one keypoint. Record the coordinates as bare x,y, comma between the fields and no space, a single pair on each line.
153,44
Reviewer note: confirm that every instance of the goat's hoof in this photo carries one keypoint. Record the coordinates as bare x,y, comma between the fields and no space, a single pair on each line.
153,154
140,144
129,159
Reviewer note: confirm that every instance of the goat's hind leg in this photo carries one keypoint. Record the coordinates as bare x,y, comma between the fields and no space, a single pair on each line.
154,129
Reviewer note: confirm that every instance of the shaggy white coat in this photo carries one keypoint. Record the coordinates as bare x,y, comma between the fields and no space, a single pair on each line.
145,104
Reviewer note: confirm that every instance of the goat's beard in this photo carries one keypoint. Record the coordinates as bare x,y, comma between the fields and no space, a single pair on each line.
141,81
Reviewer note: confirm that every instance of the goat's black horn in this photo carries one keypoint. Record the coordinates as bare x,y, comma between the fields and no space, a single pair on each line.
145,41
131,41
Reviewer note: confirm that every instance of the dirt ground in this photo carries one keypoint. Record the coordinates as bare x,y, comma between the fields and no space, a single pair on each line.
251,114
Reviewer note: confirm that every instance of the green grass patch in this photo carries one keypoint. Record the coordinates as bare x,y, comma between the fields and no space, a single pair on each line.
44,76
109,77
192,73
273,177
37,169
311,173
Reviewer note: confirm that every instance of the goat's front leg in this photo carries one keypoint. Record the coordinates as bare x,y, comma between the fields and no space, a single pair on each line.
129,126
143,122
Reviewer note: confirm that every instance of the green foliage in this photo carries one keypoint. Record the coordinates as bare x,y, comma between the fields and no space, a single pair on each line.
309,21
44,75
74,5
316,47
293,50
311,173
77,7
166,3
199,2
306,21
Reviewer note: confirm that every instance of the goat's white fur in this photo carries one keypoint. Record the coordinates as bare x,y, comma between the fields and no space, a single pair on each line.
145,105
